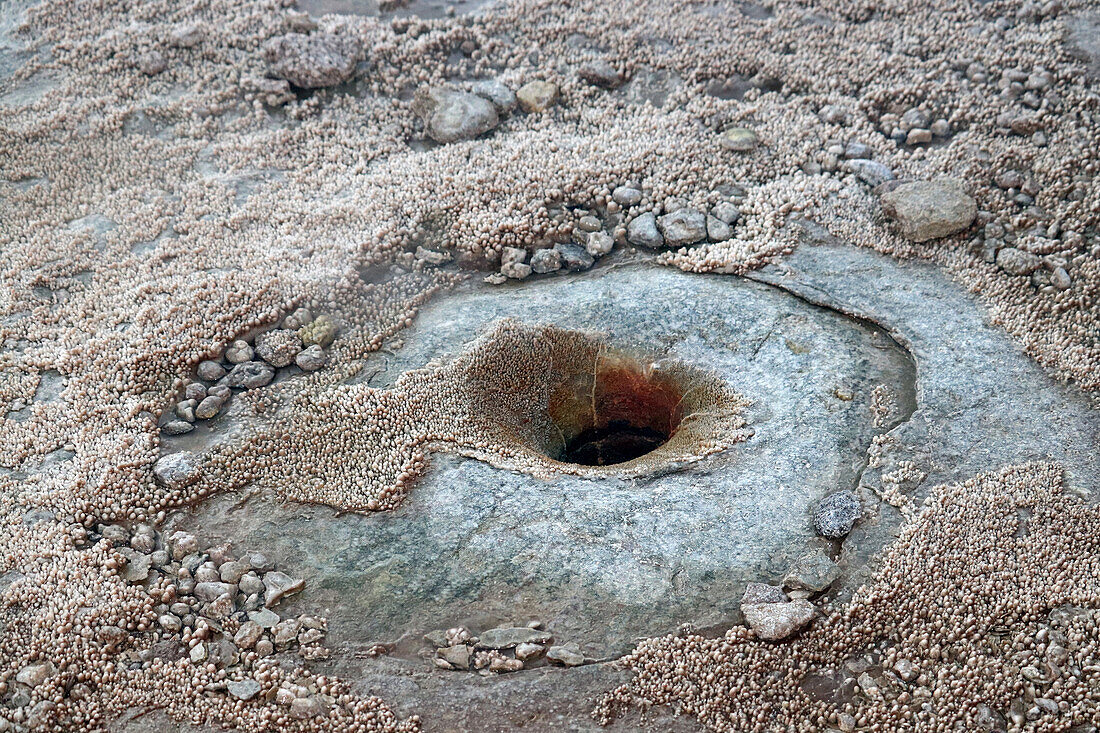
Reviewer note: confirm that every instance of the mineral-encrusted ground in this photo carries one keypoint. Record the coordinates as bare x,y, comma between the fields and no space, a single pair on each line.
176,179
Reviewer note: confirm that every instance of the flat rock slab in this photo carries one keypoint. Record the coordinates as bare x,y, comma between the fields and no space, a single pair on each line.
602,562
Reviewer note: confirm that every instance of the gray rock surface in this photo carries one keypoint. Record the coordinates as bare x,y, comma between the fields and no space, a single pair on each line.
969,417
930,209
451,115
312,61
602,562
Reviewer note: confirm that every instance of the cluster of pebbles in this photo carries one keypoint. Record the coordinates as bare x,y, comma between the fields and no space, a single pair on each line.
499,650
595,232
301,341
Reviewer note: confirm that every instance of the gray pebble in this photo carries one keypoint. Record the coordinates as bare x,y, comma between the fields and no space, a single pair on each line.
642,231
210,370
311,359
503,98
870,172
1017,262
574,257
836,514
239,352
857,150
726,211
312,61
683,227
718,230
178,427
278,347
209,407
599,244
250,375
545,260
452,116
626,196
195,391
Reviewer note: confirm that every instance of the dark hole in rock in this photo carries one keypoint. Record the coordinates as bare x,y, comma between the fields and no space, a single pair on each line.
618,411
618,442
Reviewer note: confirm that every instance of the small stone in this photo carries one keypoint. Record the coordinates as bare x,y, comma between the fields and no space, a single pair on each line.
185,410
914,118
451,115
198,653
568,655
814,570
683,227
248,634
303,708
177,470
207,573
277,585
774,621
537,96
278,347
930,209
626,196
210,370
740,139
312,61
188,36
160,558
508,637
574,257
588,223
265,648
834,114
183,544
1060,279
905,669
857,150
871,172
239,352
137,568
757,593
213,590
321,332
941,128
244,689
35,674
457,656
195,391
285,632
836,514
918,136
152,63
311,358
250,583
178,427
170,622
503,98
432,257
601,74
545,260
250,375
516,270
642,231
718,230
265,617
599,244
725,211
232,571
209,407
297,319
258,561
527,650
1017,262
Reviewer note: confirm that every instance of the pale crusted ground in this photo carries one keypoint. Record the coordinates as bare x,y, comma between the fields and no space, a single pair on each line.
147,221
